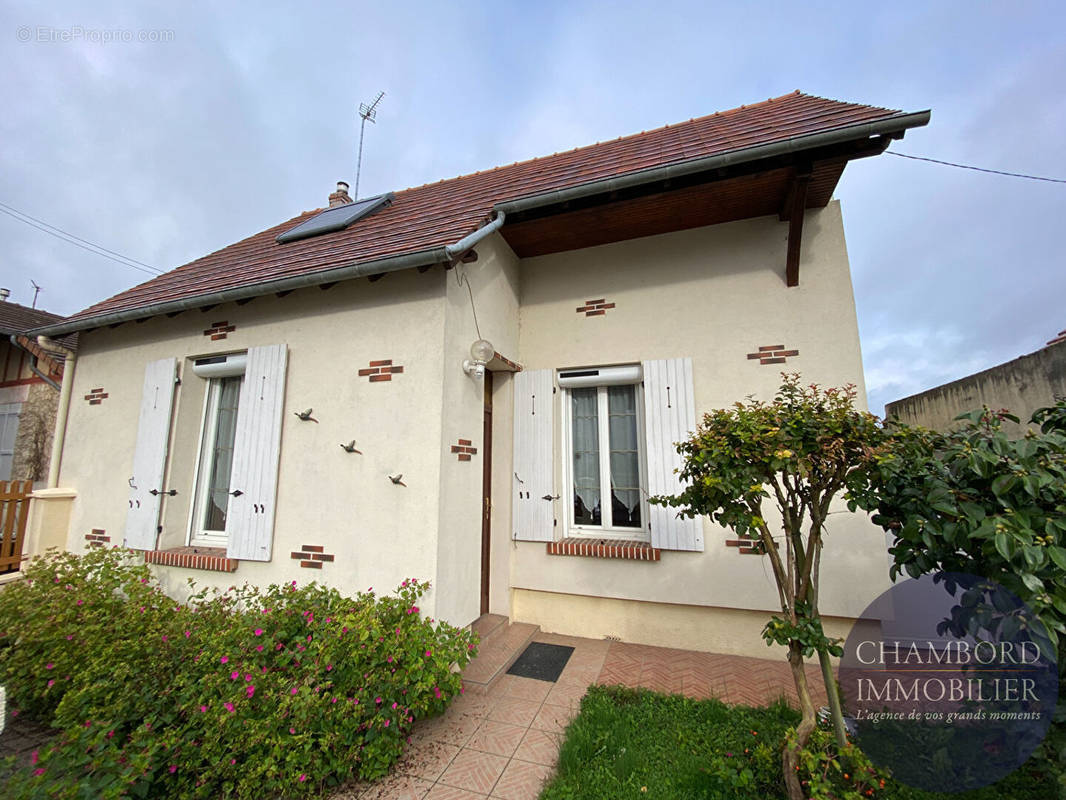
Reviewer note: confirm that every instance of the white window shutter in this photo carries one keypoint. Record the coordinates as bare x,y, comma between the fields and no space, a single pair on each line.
150,454
533,517
256,450
669,416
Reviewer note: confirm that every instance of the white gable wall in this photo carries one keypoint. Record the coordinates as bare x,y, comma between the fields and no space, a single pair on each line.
712,294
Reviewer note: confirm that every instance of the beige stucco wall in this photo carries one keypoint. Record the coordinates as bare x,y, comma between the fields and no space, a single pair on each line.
713,294
493,292
380,533
1023,385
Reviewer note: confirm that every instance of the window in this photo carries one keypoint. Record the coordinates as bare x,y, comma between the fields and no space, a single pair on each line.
9,426
605,460
215,465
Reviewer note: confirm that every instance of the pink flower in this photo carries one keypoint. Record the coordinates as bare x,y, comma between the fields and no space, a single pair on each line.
33,757
436,692
173,768
377,700
203,709
50,684
334,700
38,772
229,707
250,691
429,653
292,730
164,639
49,665
295,689
110,734
395,705
258,631
188,634
259,648
302,778
329,667
233,761
234,675
389,659
69,637
224,660
386,723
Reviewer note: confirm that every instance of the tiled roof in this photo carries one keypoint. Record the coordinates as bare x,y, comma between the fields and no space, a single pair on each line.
16,319
439,214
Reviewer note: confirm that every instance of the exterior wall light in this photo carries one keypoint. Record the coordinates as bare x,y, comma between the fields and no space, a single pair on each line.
481,353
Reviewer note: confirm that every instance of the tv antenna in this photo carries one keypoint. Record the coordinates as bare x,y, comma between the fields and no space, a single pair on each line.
36,291
368,113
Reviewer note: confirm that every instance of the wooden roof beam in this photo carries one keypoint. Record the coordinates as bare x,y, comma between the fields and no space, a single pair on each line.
796,203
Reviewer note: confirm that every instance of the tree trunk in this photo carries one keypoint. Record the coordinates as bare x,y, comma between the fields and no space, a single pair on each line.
833,695
790,755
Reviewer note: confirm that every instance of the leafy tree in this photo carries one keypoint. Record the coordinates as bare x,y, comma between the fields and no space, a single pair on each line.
974,500
799,452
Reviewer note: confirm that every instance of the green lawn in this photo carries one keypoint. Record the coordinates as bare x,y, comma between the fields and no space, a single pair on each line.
643,745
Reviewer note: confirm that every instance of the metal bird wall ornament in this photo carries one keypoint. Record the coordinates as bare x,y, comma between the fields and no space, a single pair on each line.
305,415
350,448
397,479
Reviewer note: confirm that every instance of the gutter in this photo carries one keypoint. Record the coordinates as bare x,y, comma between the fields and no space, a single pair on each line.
794,144
435,255
60,434
33,363
457,250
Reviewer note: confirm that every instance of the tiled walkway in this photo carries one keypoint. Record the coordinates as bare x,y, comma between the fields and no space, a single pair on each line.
502,737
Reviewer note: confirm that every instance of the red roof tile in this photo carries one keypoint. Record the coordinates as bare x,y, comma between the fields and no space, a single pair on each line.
439,214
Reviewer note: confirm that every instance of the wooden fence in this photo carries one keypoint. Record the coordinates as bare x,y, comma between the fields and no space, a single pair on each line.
14,511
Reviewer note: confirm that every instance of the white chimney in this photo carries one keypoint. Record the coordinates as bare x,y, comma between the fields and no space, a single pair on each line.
4,294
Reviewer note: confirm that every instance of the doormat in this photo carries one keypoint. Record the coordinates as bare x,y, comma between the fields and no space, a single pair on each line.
544,662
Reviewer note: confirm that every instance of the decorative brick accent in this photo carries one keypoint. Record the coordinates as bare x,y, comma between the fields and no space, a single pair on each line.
98,538
207,558
311,556
746,546
219,330
595,308
464,449
380,371
605,548
96,396
773,354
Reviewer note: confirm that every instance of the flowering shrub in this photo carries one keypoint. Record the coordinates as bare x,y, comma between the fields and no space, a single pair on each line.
279,692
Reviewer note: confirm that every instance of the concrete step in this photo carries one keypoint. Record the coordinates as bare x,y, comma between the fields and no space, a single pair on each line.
500,646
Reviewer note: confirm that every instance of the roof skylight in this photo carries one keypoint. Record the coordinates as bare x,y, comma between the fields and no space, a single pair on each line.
335,219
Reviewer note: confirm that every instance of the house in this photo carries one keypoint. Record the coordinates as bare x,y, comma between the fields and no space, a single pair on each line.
30,379
1021,385
479,382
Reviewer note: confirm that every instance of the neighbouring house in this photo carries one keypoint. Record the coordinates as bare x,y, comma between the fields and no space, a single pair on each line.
479,381
30,379
1022,386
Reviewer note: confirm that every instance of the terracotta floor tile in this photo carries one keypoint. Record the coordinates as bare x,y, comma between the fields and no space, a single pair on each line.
565,695
554,719
514,687
397,787
497,737
522,780
515,712
426,759
442,792
474,771
539,747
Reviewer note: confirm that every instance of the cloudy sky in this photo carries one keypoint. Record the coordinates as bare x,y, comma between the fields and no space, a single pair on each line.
224,122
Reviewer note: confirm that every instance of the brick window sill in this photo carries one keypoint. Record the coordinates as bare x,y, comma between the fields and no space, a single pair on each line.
605,548
212,559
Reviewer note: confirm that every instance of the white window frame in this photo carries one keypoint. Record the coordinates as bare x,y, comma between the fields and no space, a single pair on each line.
197,535
9,410
641,534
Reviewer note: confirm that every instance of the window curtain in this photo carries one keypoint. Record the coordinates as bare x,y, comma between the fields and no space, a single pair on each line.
586,441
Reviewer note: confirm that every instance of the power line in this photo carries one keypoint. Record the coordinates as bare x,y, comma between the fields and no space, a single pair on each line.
77,241
977,169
